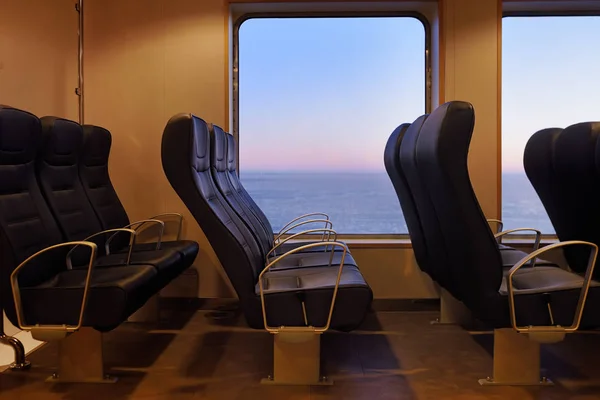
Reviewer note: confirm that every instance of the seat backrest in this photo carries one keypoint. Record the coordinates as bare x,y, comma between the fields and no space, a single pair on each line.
186,162
575,168
473,256
539,168
561,165
58,174
218,157
239,188
437,254
393,166
95,179
27,225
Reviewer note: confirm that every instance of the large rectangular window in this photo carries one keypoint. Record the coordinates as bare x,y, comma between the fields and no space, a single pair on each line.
318,98
549,79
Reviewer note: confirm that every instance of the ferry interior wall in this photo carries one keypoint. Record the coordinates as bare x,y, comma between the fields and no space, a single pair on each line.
254,199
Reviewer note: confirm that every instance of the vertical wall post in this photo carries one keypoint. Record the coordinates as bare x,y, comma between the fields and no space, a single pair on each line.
471,32
79,89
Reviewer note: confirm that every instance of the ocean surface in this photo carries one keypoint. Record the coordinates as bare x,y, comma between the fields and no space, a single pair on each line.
367,203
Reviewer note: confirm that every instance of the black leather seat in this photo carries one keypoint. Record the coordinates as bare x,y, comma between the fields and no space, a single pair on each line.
187,165
251,205
472,253
50,293
428,244
264,238
95,179
561,164
58,174
393,167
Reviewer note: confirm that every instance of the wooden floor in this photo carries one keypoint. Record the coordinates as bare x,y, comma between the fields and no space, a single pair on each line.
395,355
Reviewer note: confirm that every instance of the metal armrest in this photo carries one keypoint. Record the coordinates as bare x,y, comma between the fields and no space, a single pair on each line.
328,224
497,222
335,290
57,330
180,218
325,230
106,245
302,217
553,332
138,225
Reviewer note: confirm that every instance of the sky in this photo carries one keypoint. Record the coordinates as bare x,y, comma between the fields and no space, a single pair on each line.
325,93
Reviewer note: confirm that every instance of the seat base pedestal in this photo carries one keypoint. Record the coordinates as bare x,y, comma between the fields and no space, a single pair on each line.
452,311
516,360
297,359
149,312
20,364
80,359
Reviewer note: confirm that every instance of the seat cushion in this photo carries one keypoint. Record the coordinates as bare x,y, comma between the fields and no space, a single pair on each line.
160,259
187,249
116,293
542,280
541,290
286,290
511,256
304,260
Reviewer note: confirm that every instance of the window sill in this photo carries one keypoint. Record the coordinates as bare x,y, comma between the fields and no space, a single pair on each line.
401,243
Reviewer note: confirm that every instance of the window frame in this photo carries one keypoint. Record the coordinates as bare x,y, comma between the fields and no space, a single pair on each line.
532,9
237,24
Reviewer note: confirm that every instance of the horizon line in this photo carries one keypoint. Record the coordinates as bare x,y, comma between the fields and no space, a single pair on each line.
328,171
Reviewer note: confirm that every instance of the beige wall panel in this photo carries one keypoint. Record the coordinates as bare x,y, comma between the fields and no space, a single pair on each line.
38,56
195,81
143,65
393,273
471,74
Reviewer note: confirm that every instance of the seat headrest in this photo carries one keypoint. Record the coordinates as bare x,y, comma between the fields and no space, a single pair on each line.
20,136
96,146
391,161
185,126
537,157
218,148
575,151
231,153
62,141
445,120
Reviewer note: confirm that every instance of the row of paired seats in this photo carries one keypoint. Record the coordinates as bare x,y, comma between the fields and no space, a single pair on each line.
294,290
454,244
70,260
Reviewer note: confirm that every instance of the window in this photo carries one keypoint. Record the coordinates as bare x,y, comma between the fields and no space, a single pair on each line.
549,80
318,99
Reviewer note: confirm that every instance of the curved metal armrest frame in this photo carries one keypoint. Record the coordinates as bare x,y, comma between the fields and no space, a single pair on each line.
14,281
179,217
106,246
328,224
295,235
497,222
137,225
335,289
314,214
582,297
538,235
